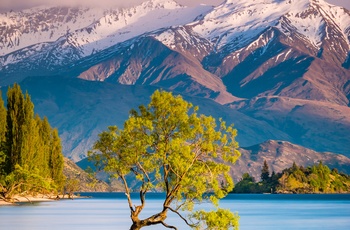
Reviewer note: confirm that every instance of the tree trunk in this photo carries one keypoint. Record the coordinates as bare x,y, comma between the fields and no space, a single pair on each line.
153,220
136,226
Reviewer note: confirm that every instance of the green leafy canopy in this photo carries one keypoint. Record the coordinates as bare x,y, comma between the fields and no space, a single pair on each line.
168,147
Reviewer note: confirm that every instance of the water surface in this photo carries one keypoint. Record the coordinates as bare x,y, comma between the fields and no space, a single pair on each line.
110,211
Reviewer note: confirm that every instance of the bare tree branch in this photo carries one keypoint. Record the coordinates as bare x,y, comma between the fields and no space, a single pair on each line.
144,171
127,192
167,226
183,218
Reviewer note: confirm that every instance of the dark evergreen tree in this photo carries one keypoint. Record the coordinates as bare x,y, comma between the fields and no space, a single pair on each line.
295,166
273,174
265,174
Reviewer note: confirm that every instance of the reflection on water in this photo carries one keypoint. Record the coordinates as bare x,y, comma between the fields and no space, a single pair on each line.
110,211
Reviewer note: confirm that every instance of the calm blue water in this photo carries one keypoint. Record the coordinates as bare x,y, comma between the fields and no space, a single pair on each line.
110,211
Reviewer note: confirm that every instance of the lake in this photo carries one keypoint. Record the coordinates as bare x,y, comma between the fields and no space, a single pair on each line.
110,211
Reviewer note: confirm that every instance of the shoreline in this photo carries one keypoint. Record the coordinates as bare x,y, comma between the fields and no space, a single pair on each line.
39,198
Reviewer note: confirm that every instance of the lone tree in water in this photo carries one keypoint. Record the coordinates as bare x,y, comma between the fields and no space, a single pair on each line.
168,147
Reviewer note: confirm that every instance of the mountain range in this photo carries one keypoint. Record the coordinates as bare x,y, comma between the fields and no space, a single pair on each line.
278,69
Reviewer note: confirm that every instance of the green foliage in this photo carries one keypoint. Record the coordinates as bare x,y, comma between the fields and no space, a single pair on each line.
265,173
314,179
30,151
15,120
220,219
2,136
2,162
21,180
56,161
71,187
266,185
43,145
299,180
247,185
167,146
2,121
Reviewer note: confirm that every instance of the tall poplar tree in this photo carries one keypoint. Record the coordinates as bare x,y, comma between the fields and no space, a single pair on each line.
2,134
2,120
30,136
15,121
44,143
22,132
31,156
56,161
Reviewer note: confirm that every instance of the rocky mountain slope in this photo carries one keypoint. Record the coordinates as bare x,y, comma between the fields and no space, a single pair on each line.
322,126
82,109
280,155
278,69
86,184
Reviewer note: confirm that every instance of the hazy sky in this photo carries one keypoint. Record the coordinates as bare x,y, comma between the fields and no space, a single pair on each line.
20,4
345,3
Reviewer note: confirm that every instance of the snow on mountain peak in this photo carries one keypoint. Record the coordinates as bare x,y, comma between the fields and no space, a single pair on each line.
168,4
48,23
240,21
85,31
115,27
313,21
41,24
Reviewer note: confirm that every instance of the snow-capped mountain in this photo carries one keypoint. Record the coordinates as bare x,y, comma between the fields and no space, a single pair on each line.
217,42
89,28
58,36
238,23
283,62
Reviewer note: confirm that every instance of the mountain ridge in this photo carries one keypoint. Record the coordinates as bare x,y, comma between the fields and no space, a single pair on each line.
283,34
277,64
81,109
